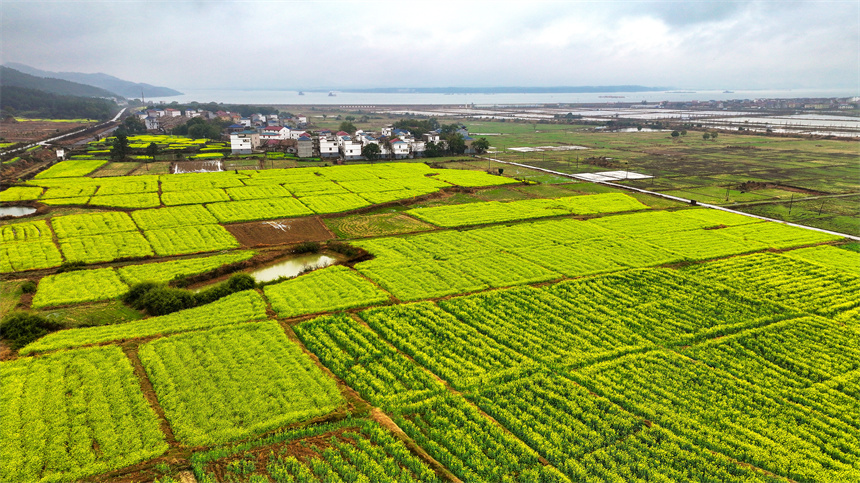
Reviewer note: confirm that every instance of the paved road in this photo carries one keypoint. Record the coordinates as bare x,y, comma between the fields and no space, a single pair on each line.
682,200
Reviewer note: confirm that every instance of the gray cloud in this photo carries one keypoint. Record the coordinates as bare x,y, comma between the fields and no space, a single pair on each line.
336,44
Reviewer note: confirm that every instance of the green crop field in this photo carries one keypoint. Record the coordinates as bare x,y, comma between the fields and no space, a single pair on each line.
92,224
105,247
251,210
233,309
74,414
172,216
79,286
163,272
496,330
279,384
328,289
190,239
132,200
71,169
353,450
19,193
29,255
494,212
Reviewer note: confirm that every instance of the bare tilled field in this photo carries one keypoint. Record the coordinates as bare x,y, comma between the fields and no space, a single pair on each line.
29,131
280,232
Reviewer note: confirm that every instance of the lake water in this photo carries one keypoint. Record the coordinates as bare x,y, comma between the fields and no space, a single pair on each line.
16,211
363,99
292,267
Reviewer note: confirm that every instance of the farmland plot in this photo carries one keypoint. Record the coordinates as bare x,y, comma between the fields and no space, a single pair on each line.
78,286
131,200
70,169
193,197
334,203
29,255
803,286
352,450
80,191
172,216
775,356
251,210
163,272
462,177
26,231
690,399
179,240
493,212
257,192
232,309
20,193
323,290
198,374
425,332
664,314
73,414
828,256
655,454
105,247
89,224
452,431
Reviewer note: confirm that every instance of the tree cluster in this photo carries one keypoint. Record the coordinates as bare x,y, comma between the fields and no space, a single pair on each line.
417,126
199,128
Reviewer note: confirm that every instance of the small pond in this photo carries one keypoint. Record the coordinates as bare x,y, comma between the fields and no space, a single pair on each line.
16,211
292,267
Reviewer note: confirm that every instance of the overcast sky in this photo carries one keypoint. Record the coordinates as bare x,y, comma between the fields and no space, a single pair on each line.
333,44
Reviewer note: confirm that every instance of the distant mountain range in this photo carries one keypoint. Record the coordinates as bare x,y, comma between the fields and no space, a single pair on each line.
508,90
13,78
115,85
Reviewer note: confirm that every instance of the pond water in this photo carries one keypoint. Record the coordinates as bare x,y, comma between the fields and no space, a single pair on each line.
16,211
292,267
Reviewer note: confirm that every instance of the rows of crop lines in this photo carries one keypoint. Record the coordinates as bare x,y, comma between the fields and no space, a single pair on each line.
197,204
527,383
443,263
672,387
575,375
233,197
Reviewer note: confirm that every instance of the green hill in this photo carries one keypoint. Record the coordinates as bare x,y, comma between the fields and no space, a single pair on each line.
13,78
33,103
113,84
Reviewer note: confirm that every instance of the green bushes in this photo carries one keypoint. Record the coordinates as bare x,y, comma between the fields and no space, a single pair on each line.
21,328
163,300
28,287
307,247
159,299
236,283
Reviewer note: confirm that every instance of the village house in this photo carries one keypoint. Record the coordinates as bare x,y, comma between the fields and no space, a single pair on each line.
327,146
305,146
244,142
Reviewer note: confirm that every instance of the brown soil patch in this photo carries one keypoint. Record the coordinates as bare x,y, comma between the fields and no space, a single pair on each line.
29,131
280,232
